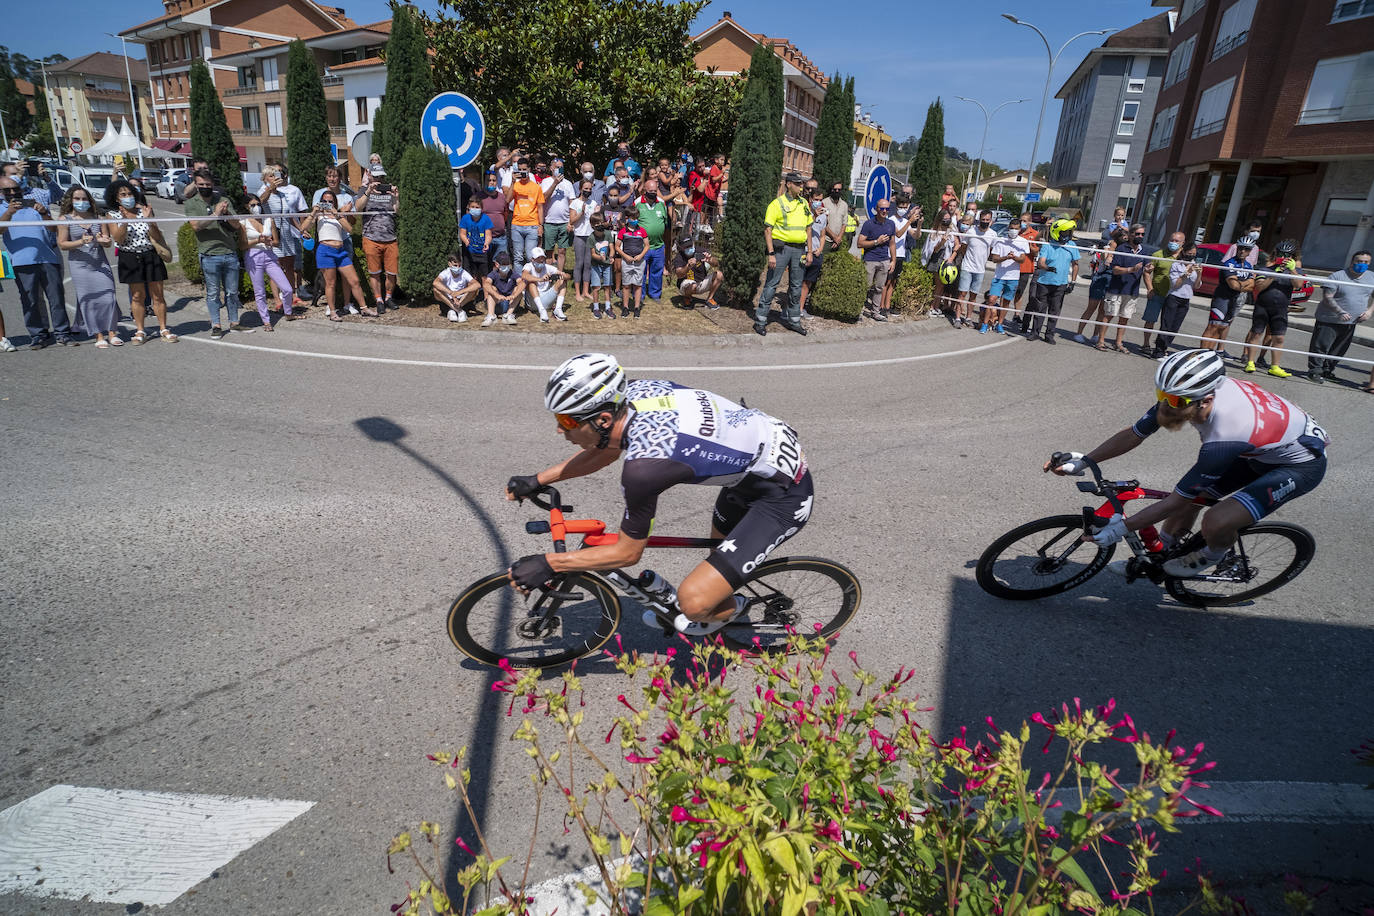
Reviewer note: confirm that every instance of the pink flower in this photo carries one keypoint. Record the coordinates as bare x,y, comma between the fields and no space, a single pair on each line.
831,831
640,758
679,815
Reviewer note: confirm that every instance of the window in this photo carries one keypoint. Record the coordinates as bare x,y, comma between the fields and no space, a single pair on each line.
1129,111
1162,134
1234,28
1135,85
269,74
1343,211
274,120
1212,108
248,78
1342,89
157,88
1352,9
252,119
1180,61
361,102
1189,8
152,54
1120,152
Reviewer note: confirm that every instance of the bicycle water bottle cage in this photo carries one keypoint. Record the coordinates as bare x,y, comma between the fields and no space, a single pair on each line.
540,527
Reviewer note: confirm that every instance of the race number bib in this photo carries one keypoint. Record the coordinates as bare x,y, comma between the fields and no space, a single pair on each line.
784,453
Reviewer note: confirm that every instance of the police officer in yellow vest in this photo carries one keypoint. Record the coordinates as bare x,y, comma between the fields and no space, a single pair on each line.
787,223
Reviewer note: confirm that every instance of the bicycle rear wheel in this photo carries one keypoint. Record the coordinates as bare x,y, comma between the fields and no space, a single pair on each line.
491,621
807,596
1265,557
1040,558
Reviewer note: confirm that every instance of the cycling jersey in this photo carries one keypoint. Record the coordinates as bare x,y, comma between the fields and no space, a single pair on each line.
678,435
1247,423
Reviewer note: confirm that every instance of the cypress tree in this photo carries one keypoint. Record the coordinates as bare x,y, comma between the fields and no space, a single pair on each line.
18,121
426,223
834,136
409,87
755,169
307,125
210,137
928,165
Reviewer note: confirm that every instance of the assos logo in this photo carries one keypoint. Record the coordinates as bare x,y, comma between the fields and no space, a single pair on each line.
749,567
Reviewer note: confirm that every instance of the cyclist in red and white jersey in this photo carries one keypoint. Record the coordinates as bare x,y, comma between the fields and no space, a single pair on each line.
1258,451
670,434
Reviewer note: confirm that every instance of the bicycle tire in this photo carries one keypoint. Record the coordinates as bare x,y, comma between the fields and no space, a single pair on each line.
1067,526
772,615
1304,548
484,603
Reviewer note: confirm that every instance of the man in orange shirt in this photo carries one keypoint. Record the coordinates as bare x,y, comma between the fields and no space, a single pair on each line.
527,202
1030,234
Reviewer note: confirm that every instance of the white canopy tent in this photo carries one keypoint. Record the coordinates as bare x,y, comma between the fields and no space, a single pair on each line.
102,146
125,143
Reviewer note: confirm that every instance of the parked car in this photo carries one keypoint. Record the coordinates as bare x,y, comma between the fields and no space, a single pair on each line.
166,188
149,177
180,183
1211,255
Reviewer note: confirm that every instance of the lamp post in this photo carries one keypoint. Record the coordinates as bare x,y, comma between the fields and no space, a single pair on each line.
987,121
52,117
1045,98
3,135
133,100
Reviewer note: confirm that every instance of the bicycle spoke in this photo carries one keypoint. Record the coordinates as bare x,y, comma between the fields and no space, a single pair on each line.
794,595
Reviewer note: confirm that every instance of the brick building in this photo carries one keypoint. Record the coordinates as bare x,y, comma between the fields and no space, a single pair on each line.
872,148
1266,112
191,30
87,93
727,47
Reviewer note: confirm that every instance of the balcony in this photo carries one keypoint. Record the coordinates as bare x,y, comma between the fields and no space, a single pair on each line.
337,132
1210,127
247,131
332,80
240,90
1230,44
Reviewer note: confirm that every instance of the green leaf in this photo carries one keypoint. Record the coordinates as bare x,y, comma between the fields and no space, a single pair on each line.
1075,828
780,849
1074,871
659,906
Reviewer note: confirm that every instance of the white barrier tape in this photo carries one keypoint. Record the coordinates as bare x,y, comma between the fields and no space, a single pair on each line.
261,217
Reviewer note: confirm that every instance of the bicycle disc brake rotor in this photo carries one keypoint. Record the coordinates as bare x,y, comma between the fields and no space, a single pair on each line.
540,627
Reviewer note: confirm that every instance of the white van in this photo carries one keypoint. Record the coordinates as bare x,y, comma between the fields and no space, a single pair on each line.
93,178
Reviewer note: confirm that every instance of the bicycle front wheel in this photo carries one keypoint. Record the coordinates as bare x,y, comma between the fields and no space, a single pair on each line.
1041,558
807,596
1265,557
491,621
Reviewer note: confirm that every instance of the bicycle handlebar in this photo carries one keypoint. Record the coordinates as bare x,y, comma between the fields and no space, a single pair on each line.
1059,458
554,500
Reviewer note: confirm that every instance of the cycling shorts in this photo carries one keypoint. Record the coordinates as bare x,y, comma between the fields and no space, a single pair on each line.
755,516
1261,488
1223,311
1270,318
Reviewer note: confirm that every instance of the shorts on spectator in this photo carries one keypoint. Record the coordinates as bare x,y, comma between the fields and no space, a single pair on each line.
601,275
1153,306
1097,289
1120,305
327,256
812,272
1273,321
1004,289
632,274
970,281
556,235
504,305
1223,312
381,256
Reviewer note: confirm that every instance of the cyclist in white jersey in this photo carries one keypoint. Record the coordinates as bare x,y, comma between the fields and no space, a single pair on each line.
670,434
1258,450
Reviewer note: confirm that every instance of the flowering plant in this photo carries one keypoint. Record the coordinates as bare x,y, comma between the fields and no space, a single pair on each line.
790,783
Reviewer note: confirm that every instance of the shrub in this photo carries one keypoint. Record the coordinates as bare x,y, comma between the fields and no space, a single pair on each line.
915,290
210,136
426,221
840,292
187,255
788,784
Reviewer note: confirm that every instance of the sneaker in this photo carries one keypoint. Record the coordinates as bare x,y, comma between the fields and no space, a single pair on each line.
1315,378
353,309
558,313
544,316
67,342
1329,373
806,314
1224,355
1250,366
462,316
983,328
452,315
878,316
609,312
1279,372
40,343
998,329
759,329
509,318
1190,565
6,346
240,328
1079,338
712,305
216,332
488,321
1050,339
689,627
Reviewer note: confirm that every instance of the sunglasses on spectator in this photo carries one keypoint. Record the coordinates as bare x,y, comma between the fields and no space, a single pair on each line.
881,209
1173,400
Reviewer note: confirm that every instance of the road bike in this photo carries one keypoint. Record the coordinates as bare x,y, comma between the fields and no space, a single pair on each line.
1049,556
576,613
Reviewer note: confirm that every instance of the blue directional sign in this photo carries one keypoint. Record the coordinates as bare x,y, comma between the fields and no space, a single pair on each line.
334,153
879,187
1032,197
453,123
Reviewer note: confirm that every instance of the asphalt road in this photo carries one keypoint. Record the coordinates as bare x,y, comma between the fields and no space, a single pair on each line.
218,583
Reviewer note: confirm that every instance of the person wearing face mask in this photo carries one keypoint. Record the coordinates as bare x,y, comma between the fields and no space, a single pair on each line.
526,198
602,277
588,173
559,193
1123,289
974,248
814,260
631,246
1184,275
1156,282
1007,255
544,284
836,215
85,244
493,204
582,214
503,288
938,251
1269,316
474,231
37,269
257,236
696,274
217,244
1347,300
140,264
653,217
909,220
1027,278
622,160
1101,262
456,289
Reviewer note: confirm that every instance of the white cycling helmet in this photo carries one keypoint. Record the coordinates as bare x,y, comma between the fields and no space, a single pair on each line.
1192,374
586,385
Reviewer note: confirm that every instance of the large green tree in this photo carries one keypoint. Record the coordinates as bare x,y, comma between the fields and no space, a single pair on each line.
210,137
755,169
42,139
928,165
409,87
426,221
835,135
307,124
588,74
18,121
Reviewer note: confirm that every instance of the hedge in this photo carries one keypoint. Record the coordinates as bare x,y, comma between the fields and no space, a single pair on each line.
841,290
915,290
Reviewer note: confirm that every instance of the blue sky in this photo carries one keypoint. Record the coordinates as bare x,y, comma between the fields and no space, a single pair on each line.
902,54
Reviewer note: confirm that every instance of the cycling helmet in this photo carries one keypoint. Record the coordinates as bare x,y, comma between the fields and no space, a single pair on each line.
1190,373
1286,249
948,274
1250,239
1061,230
586,385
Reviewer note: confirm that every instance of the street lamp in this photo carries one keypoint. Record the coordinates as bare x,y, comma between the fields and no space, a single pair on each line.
987,120
52,115
3,135
133,101
1044,99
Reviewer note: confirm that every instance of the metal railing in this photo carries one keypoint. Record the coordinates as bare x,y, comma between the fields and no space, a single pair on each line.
337,131
1210,127
247,131
1225,47
331,80
240,90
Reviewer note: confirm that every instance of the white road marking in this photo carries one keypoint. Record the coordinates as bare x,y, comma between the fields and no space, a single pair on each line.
853,364
117,846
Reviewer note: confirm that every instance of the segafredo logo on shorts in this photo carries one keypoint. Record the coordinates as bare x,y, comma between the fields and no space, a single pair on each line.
708,414
749,567
1277,495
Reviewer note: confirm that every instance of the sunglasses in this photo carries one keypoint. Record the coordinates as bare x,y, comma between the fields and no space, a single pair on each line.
567,422
881,209
1173,400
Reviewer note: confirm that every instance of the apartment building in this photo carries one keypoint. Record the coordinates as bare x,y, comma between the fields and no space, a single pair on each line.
1109,104
259,92
364,83
190,30
727,46
872,148
1266,112
87,93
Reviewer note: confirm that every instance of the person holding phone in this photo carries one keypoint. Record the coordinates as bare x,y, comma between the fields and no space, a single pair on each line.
37,268
256,238
333,252
878,240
